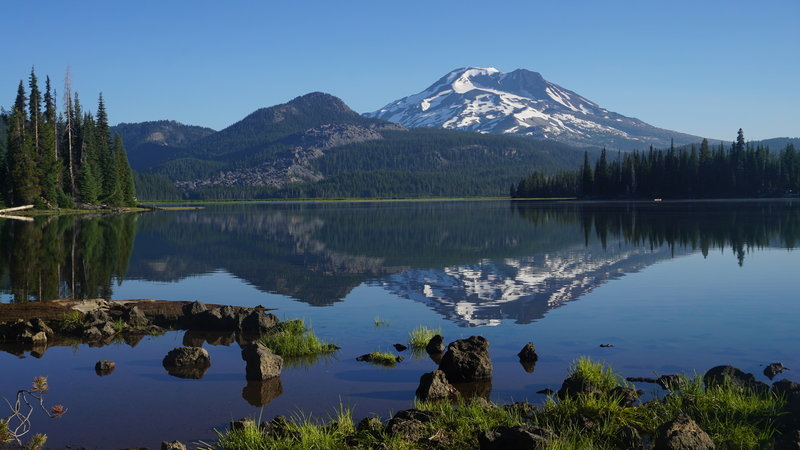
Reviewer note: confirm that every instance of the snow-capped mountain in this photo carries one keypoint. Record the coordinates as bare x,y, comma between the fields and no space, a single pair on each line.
521,102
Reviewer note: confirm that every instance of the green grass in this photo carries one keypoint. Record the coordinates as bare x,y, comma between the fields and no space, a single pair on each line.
72,321
599,374
382,359
118,325
419,337
380,322
732,416
292,339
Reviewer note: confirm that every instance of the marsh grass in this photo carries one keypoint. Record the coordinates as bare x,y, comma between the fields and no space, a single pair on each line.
380,322
72,320
118,325
599,374
292,339
382,359
732,416
419,337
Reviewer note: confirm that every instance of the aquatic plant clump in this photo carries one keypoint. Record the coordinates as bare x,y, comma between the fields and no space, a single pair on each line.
419,337
292,338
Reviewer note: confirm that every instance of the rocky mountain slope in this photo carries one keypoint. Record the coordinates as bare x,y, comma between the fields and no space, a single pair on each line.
522,103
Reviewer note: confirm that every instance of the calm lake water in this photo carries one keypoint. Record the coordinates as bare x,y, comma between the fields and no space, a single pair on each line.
675,287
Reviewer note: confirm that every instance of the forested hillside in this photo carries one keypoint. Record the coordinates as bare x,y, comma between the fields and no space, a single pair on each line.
150,143
317,147
58,160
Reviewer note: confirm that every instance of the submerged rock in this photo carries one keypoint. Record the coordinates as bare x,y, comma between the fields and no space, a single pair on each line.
467,360
261,362
187,362
174,445
683,433
528,353
434,386
774,369
717,376
669,382
400,347
104,367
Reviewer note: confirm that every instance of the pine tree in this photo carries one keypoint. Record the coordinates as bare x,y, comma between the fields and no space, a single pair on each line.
587,178
108,170
21,158
89,183
126,186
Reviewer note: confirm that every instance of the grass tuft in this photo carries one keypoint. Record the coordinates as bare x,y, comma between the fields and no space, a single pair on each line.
419,337
292,338
380,322
382,359
599,374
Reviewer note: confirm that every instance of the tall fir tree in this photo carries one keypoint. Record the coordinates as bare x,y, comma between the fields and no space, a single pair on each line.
124,172
21,157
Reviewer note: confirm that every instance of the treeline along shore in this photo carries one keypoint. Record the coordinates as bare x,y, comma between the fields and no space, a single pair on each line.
740,170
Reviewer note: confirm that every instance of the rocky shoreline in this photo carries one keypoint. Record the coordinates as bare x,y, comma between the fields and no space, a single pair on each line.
604,408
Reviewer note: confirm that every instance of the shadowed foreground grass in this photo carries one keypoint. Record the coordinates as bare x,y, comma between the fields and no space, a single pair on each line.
734,417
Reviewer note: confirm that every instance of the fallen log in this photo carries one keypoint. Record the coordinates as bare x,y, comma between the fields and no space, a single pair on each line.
16,208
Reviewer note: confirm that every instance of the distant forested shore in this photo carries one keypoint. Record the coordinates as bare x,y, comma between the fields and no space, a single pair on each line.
739,170
61,159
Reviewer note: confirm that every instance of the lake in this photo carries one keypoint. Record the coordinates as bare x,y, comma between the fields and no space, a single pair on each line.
675,287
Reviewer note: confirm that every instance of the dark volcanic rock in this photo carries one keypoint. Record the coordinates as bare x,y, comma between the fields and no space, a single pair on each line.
669,382
716,376
174,445
409,424
434,386
242,423
546,392
574,385
503,438
627,396
261,362
104,367
135,317
528,366
370,425
683,433
258,322
628,437
435,345
187,362
400,347
194,308
641,380
528,353
774,369
785,387
467,360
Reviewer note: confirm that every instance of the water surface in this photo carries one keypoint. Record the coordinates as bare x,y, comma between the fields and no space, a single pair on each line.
675,287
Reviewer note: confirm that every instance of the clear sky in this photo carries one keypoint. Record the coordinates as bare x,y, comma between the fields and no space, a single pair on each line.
705,67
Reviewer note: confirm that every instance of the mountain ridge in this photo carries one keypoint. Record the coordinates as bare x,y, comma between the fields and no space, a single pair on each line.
522,102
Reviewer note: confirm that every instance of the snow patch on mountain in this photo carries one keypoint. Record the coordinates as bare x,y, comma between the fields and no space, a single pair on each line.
522,102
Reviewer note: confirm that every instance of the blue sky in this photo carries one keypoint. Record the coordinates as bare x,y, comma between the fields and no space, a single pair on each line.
700,67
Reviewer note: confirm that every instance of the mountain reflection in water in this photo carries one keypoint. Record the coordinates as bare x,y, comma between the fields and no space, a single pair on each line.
475,263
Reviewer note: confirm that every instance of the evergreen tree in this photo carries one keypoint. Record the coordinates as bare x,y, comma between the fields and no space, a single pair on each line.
587,178
89,182
111,191
126,183
21,158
